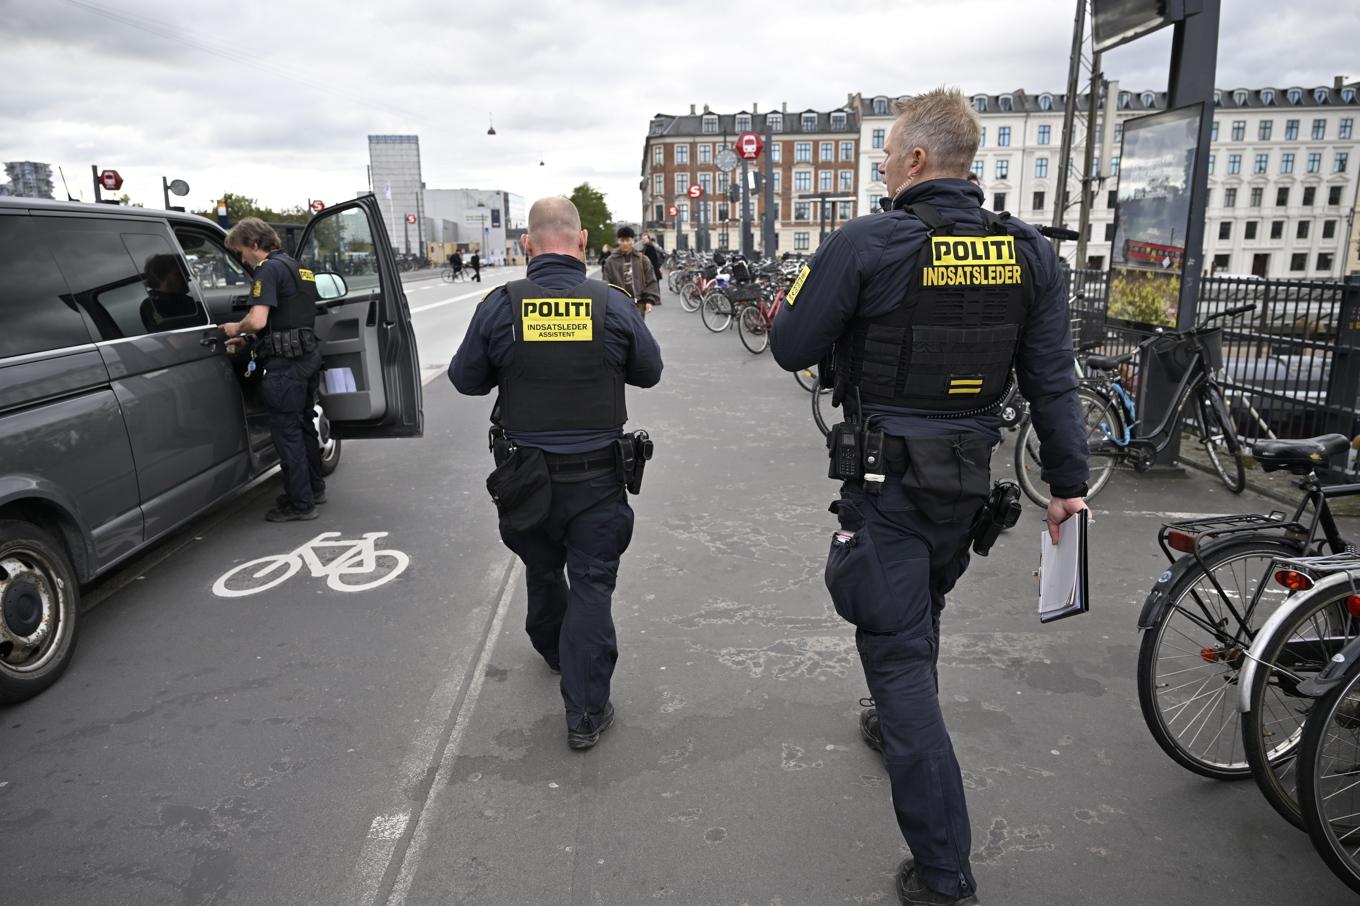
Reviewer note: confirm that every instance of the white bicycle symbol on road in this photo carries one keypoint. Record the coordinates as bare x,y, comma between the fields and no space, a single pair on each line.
356,568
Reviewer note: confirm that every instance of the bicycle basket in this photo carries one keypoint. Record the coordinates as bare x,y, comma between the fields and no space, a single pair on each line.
1176,353
710,272
744,292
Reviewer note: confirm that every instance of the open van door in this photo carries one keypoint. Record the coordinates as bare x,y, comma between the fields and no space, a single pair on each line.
371,373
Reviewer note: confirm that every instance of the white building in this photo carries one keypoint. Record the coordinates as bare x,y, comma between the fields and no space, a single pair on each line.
473,220
394,175
1282,179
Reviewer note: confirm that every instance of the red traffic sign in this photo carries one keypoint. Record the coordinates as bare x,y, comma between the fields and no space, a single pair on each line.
110,180
696,191
749,146
318,206
672,210
410,218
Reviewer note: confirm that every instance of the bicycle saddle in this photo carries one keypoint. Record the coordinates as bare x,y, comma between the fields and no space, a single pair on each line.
1107,362
1299,456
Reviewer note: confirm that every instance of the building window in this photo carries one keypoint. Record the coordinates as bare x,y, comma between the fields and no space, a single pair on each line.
1250,231
1287,162
847,150
802,210
802,152
1114,165
826,151
705,153
1302,231
802,241
1267,96
1109,232
1282,196
980,103
682,154
1213,132
1348,95
743,122
1309,194
1230,197
1256,193
999,201
1329,229
976,168
1125,97
1298,261
1264,128
658,155
1003,137
1320,95
1294,96
776,150
1315,162
1277,229
658,184
1319,130
843,210
1220,263
824,181
1291,130
1334,195
1045,102
880,106
1324,261
1239,97
847,181
709,124
1040,167
802,181
722,183
681,183
875,174
659,213
1003,168
879,136
1260,163
1112,199
809,122
1342,159
1346,128
1045,134
1004,103
875,202
1213,161
838,121
1149,99
1234,164
1239,130
724,212
1038,201
982,136
774,122
778,181
681,211
706,182
1225,230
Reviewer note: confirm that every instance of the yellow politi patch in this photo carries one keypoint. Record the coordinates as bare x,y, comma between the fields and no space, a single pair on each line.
972,261
256,290
306,275
797,285
556,320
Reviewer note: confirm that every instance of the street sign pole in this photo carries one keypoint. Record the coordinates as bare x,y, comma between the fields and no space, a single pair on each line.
94,171
746,245
767,220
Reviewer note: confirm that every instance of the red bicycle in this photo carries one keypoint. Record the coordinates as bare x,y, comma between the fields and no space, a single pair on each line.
753,324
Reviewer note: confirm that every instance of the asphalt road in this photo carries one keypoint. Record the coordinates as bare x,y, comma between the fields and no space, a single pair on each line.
305,743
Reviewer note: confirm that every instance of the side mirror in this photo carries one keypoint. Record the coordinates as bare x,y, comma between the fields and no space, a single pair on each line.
331,286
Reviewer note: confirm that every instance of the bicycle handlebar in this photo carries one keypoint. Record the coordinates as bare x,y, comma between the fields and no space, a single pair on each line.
1053,232
1230,312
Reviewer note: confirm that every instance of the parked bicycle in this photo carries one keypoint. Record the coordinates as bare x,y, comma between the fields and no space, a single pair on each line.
1109,414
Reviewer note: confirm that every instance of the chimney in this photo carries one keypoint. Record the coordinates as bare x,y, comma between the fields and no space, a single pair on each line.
755,108
784,107
705,108
691,110
1339,82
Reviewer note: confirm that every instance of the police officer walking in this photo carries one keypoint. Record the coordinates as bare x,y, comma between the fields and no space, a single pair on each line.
282,314
559,349
920,313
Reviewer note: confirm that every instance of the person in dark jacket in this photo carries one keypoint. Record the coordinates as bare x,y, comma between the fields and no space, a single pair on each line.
980,294
630,269
475,262
656,255
563,394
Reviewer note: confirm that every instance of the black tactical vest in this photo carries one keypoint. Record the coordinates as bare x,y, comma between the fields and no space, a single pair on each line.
560,378
297,309
950,344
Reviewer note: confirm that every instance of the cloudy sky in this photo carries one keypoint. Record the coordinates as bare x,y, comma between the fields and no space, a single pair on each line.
275,100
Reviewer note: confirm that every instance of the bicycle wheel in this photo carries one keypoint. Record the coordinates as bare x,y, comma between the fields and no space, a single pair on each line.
1220,440
1189,661
807,379
821,409
754,330
1101,419
1329,778
689,297
446,275
716,312
1273,727
673,281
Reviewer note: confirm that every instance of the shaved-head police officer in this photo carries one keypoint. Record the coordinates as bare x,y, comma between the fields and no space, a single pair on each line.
559,349
924,311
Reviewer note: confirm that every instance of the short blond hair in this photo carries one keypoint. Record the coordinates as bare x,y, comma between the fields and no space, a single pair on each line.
253,231
943,123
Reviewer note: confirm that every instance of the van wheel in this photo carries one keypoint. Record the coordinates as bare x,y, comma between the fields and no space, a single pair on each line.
330,446
38,602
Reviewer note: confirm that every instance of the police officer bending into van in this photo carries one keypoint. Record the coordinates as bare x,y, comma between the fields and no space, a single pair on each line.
924,310
559,348
282,314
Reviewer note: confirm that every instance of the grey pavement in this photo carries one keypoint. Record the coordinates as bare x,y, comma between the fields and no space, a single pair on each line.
405,745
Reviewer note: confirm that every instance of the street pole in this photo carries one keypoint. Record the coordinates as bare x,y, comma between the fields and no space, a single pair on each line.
165,190
767,219
406,228
1088,178
747,248
94,171
1069,117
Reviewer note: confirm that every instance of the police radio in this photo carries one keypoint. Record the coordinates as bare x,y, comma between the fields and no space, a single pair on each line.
847,462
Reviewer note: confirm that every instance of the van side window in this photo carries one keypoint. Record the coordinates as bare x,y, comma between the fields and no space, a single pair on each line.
37,313
209,260
129,282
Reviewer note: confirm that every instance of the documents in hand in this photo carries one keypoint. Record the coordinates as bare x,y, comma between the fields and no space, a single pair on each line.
1063,583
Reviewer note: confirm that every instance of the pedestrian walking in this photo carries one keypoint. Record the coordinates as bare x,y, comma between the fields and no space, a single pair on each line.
281,317
630,269
475,262
559,348
654,254
923,311
456,265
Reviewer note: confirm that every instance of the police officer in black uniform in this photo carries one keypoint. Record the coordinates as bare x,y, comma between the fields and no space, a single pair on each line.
559,349
918,315
281,319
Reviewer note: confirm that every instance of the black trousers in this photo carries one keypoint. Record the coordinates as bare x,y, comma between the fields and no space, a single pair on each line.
571,564
289,393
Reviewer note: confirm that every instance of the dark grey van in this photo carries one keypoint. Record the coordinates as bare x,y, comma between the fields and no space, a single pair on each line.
121,414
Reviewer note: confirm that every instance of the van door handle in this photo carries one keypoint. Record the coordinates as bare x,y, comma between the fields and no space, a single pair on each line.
210,339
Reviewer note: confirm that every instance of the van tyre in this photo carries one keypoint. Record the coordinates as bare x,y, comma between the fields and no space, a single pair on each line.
330,446
39,599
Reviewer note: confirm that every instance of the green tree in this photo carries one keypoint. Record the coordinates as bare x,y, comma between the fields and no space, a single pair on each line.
240,207
595,217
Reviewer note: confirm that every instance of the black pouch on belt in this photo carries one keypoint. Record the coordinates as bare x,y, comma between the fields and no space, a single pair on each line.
521,488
